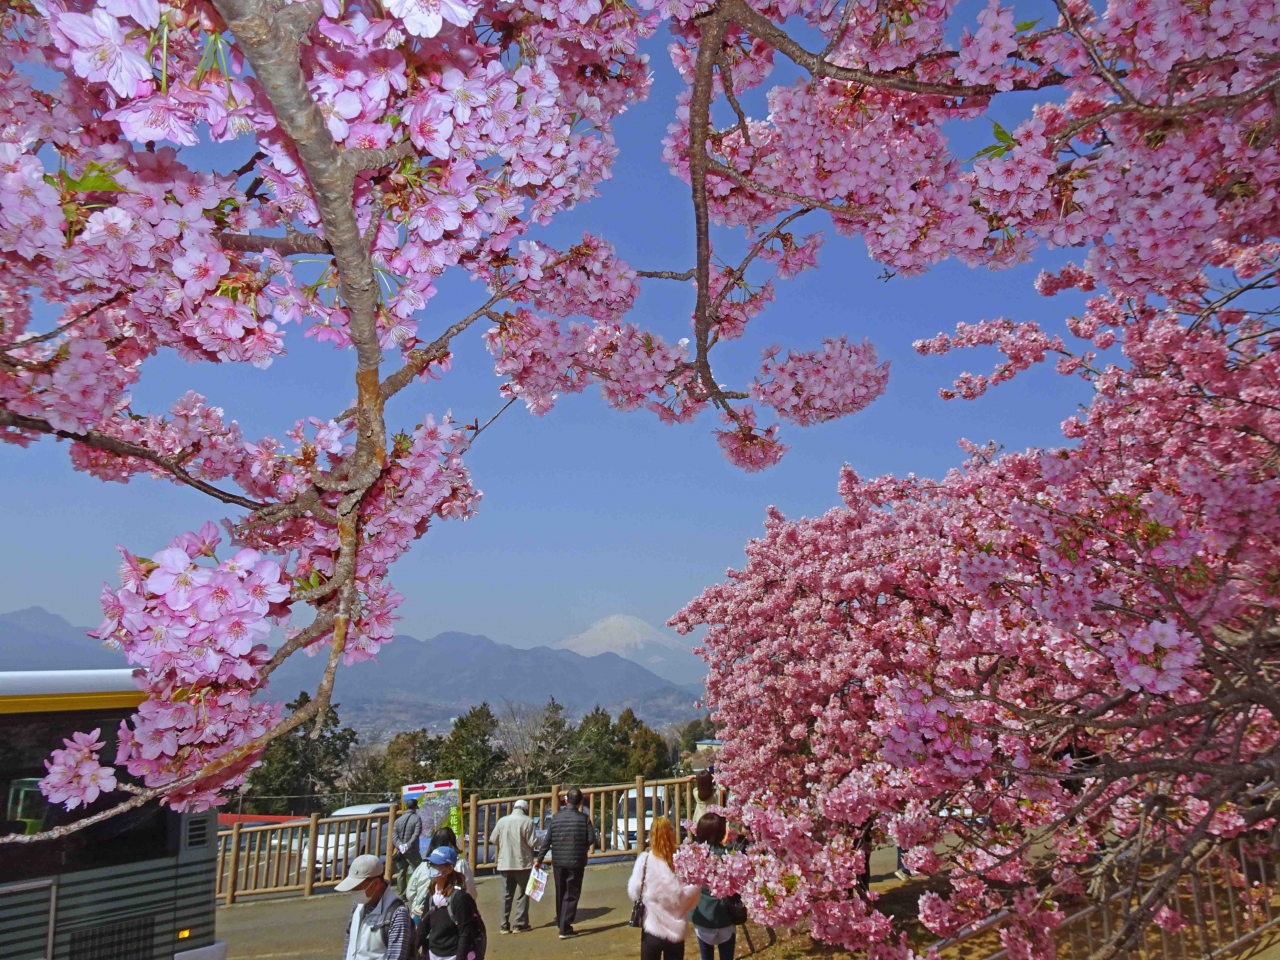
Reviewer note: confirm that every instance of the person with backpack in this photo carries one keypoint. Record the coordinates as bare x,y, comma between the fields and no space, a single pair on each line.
661,899
715,919
379,928
452,928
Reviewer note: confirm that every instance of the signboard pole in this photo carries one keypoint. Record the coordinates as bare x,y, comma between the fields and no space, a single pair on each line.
475,830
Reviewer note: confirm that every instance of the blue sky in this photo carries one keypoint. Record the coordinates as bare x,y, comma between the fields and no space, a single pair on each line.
587,512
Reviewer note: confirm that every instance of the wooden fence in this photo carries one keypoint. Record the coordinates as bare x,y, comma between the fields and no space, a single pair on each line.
297,857
1230,901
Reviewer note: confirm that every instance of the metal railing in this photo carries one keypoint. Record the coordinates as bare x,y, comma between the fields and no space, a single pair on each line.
309,853
1231,899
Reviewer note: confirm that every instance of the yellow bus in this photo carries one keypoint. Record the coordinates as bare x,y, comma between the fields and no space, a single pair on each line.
139,886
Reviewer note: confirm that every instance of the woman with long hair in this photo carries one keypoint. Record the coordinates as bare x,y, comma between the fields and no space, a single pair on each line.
712,918
666,900
451,925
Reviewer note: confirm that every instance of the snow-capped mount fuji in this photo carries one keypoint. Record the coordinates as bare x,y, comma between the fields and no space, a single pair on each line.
660,651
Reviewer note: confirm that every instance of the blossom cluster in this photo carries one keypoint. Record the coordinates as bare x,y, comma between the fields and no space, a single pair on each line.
807,388
196,629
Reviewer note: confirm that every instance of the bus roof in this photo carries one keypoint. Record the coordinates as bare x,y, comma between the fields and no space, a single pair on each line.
51,691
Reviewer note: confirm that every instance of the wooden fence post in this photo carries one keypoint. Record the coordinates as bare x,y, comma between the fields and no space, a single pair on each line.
313,842
641,839
475,832
391,842
235,863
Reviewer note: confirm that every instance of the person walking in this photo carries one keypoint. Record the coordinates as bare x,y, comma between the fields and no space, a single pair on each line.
416,895
666,900
715,919
379,928
570,837
405,834
516,840
451,926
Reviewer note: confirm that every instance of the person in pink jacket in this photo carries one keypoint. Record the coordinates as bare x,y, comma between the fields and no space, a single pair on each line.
666,900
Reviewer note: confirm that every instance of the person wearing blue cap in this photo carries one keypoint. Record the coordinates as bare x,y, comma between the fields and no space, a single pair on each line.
452,928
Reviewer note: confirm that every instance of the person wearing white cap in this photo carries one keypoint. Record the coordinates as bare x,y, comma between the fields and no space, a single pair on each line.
515,837
380,928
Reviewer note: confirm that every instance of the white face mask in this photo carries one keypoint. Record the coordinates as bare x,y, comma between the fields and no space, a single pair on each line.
359,899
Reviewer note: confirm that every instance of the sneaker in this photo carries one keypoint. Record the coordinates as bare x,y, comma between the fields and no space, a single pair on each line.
568,934
902,875
505,930
525,929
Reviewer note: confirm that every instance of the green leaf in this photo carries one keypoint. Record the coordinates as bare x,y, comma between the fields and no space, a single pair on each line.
1026,25
95,177
994,151
1003,135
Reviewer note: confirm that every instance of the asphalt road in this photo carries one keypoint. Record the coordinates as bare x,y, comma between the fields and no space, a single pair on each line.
312,928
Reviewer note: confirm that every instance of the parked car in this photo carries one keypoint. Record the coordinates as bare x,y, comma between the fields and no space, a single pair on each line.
626,820
339,844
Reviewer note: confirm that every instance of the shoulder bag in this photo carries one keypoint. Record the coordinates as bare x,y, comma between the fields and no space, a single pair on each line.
637,908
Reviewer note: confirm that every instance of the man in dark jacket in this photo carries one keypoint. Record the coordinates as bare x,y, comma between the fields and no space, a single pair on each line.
570,837
405,834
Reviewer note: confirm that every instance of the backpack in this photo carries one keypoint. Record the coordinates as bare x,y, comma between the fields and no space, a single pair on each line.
482,936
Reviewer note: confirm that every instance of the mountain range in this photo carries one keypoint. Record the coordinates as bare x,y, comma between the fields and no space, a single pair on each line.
414,683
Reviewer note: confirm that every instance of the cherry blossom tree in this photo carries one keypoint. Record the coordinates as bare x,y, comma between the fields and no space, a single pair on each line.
1050,673
397,141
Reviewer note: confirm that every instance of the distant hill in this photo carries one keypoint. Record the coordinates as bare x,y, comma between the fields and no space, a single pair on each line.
428,682
660,651
414,683
35,639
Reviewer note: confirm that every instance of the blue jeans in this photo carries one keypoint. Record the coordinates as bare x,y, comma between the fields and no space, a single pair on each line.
707,951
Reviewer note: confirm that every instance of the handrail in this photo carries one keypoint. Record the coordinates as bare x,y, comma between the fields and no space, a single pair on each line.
298,856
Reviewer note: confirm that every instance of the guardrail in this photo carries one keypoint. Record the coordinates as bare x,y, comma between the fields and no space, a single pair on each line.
1231,899
302,855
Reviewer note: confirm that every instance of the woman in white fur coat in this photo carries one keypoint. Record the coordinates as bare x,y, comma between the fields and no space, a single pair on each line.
666,900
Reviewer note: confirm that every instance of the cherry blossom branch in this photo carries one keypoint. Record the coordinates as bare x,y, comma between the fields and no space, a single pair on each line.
285,246
765,29
63,328
736,275
123,448
143,796
744,181
487,423
668,274
713,27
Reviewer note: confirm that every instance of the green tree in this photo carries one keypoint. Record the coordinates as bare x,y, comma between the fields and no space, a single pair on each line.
413,756
695,730
598,758
469,751
298,769
642,749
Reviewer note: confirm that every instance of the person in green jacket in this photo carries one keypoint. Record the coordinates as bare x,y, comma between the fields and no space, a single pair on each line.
712,921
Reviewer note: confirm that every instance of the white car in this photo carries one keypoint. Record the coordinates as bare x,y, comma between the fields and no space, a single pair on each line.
339,844
626,821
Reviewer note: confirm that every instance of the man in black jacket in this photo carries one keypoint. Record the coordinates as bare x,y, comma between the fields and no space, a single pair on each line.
570,837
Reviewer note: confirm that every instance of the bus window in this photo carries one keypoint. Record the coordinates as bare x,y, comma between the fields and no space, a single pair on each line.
26,740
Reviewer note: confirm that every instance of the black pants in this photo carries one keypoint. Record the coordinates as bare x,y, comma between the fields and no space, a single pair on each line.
707,951
655,948
568,891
